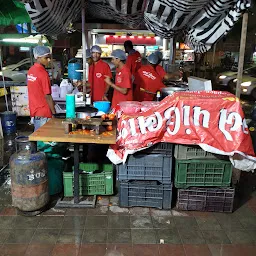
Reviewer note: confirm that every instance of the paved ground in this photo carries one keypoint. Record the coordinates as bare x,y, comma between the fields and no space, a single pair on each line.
109,230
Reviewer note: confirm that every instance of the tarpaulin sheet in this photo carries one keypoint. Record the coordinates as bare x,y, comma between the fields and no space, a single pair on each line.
213,120
202,21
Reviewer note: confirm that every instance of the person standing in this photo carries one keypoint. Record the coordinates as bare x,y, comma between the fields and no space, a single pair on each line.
97,72
89,62
161,72
133,61
41,104
123,82
148,79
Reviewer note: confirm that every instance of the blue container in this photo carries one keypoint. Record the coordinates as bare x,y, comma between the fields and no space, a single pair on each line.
8,120
103,106
73,65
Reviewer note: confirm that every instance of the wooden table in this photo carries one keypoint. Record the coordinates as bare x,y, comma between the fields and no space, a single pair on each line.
53,131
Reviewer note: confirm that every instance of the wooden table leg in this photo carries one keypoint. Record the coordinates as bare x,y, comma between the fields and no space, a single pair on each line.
76,173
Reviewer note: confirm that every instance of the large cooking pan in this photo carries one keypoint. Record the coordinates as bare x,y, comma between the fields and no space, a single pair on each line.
170,90
83,112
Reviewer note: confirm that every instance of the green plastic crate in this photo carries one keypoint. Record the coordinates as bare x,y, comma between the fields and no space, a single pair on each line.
204,173
185,152
94,179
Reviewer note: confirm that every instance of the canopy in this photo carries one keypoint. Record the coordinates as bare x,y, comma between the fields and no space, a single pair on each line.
202,21
13,12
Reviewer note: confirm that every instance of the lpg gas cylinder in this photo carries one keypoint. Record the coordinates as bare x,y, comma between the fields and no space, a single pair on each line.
29,178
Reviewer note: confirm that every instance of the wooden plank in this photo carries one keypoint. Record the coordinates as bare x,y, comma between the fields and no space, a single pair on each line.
54,131
241,55
1,130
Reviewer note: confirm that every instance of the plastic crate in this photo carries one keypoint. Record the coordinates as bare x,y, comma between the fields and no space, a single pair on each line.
94,179
206,199
146,167
145,193
160,148
184,152
190,173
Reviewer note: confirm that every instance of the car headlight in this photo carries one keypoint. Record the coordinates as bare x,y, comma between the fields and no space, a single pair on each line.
246,83
235,80
222,77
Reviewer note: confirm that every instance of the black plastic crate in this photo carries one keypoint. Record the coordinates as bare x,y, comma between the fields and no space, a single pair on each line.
206,199
163,148
155,167
145,194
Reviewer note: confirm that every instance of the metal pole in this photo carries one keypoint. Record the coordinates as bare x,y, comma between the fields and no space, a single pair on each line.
84,47
52,68
5,92
241,55
171,51
76,173
213,55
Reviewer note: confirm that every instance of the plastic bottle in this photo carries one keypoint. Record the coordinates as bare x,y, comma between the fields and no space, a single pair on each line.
88,99
158,96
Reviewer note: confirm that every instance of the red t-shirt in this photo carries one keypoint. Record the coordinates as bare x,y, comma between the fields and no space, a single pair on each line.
97,72
38,86
124,80
160,71
133,62
148,79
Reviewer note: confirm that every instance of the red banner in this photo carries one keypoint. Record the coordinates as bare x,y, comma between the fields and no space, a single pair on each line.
213,119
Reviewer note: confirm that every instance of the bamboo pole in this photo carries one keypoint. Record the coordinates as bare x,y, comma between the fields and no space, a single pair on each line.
241,54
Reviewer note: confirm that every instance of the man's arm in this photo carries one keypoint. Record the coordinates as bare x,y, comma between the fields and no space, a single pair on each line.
108,74
50,103
110,84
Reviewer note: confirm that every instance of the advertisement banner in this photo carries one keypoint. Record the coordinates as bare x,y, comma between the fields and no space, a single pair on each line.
214,120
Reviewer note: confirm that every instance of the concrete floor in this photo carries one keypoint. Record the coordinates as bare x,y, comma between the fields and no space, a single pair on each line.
109,230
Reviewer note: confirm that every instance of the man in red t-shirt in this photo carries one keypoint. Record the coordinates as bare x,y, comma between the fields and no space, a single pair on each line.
123,84
161,72
148,79
133,61
97,72
41,104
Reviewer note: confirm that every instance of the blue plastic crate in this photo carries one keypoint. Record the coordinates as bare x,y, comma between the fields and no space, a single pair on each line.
145,194
155,167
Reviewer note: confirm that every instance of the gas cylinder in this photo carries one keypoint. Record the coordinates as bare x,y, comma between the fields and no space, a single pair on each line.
29,178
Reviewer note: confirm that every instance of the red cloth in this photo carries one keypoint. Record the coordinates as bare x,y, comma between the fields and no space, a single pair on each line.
160,71
97,73
148,79
124,80
133,62
38,86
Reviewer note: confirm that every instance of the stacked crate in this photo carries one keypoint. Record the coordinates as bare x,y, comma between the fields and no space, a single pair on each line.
203,180
94,179
145,178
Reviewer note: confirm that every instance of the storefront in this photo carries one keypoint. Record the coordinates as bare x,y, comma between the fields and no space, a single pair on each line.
144,41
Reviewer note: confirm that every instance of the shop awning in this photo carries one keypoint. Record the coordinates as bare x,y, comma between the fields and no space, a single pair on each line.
203,21
12,13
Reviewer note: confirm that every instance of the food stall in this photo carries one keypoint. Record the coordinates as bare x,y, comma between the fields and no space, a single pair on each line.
181,118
